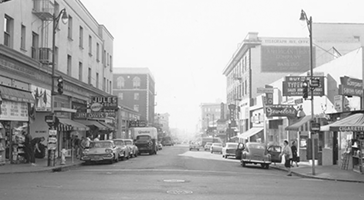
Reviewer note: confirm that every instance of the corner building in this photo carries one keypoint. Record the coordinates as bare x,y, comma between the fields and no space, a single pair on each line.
83,56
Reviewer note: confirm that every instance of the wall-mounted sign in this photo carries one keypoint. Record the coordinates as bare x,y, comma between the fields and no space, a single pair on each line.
292,86
94,115
280,110
14,111
101,103
351,86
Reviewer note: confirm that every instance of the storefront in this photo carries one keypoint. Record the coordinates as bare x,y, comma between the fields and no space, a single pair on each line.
349,134
14,120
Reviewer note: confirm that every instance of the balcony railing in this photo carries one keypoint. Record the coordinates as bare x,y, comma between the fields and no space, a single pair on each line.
43,9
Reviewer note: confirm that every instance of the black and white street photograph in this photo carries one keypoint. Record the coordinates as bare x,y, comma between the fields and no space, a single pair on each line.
181,99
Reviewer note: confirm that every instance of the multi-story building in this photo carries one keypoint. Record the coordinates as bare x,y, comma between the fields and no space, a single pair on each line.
162,120
37,36
135,88
213,119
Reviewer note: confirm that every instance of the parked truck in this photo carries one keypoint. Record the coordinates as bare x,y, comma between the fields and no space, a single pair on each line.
146,139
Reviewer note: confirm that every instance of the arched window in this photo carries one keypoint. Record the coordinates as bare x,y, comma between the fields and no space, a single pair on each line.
120,81
136,82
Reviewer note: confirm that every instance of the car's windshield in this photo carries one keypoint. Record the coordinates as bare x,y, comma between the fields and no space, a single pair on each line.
128,142
234,146
208,143
143,138
256,146
101,145
119,143
217,144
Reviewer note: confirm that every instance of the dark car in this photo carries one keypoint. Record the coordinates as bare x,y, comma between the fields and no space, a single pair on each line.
256,153
275,151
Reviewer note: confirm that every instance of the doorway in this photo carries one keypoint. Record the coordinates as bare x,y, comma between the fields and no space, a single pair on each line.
335,152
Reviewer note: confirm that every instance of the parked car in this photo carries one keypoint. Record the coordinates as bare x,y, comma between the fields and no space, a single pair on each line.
194,145
125,150
134,151
207,146
216,147
160,146
229,149
239,150
256,153
103,150
275,150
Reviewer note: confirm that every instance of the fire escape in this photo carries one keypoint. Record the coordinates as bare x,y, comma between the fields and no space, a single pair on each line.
44,10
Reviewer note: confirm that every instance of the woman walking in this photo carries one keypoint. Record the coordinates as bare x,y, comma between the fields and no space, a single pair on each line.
294,154
287,153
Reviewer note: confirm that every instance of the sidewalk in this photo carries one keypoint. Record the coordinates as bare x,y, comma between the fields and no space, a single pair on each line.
334,172
41,166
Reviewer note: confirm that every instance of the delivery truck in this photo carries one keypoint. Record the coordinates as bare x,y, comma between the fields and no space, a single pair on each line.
146,139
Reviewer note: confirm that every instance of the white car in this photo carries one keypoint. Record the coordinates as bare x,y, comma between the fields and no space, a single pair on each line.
229,149
216,147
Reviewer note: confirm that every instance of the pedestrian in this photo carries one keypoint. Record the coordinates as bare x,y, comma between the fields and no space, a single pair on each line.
97,138
36,144
287,153
76,144
29,151
294,154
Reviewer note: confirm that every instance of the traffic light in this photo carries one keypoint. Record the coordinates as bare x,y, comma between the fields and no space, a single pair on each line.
60,85
305,89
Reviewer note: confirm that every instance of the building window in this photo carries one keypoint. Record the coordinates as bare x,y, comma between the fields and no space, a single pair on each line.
136,96
110,86
23,37
8,31
69,64
121,96
110,63
90,45
97,80
80,71
136,108
107,59
35,45
120,82
80,37
136,82
104,88
97,52
89,76
104,58
69,27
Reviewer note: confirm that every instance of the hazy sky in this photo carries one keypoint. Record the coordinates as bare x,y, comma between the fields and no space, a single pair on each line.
187,43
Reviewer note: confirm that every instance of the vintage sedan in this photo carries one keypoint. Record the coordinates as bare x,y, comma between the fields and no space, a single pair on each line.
216,147
229,149
256,153
134,151
125,150
207,146
194,145
103,150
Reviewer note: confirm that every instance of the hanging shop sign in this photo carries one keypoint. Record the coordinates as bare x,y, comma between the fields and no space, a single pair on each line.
351,86
292,86
14,111
280,110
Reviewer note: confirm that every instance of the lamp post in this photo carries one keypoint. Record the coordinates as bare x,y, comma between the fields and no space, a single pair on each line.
62,14
309,26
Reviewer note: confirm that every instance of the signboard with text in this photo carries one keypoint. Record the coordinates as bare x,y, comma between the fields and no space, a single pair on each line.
15,111
101,103
280,110
292,86
351,86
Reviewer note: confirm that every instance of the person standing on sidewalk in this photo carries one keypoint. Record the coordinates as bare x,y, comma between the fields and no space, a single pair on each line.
29,150
287,153
294,154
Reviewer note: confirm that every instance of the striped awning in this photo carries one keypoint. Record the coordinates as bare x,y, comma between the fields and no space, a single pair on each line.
302,125
75,125
109,127
91,123
64,127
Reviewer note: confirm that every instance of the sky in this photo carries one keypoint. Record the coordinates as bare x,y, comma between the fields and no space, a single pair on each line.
187,43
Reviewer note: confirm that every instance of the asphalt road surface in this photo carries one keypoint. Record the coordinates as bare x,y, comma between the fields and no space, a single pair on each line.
174,173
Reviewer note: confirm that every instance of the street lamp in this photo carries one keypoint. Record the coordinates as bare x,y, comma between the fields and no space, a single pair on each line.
62,14
309,26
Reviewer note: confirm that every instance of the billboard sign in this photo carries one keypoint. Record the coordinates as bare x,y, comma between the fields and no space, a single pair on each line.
280,110
281,59
292,86
101,103
351,87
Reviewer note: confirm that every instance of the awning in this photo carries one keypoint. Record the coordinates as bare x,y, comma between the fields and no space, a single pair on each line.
353,122
302,125
109,127
16,95
92,123
250,133
75,125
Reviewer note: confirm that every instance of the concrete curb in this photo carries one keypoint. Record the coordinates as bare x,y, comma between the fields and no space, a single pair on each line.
42,170
316,177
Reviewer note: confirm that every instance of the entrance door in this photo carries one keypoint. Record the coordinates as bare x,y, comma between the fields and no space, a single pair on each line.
335,149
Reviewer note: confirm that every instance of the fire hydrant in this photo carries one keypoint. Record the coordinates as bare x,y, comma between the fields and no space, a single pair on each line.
63,156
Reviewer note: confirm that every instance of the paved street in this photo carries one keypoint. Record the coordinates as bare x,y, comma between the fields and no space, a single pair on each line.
174,173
